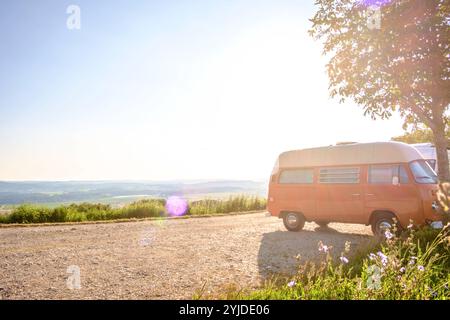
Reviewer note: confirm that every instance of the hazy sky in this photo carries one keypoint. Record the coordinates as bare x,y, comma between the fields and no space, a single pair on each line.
165,90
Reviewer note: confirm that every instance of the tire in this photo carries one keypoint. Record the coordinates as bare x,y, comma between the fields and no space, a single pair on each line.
382,222
293,221
322,224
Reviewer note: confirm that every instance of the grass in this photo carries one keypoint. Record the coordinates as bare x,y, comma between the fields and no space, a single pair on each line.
140,209
415,265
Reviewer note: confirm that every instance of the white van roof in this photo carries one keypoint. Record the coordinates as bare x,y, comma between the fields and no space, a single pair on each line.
348,154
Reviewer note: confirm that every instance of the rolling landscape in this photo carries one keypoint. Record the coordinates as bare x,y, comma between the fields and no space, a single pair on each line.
120,192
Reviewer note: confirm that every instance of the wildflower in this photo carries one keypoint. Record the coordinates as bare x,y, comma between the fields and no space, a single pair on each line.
412,261
384,258
388,235
372,256
402,269
420,268
324,248
410,226
291,284
344,260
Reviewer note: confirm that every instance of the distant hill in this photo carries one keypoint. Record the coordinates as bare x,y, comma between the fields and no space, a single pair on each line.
12,193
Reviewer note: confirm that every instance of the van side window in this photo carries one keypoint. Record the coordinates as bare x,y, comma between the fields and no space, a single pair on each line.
383,174
297,176
339,175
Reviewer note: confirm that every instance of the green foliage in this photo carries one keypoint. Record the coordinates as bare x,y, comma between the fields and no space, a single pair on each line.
139,209
232,204
415,265
144,208
418,135
402,65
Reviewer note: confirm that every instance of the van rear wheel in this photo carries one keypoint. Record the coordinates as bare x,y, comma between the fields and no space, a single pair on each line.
293,221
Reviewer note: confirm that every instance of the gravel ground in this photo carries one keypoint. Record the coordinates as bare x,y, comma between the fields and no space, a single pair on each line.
169,259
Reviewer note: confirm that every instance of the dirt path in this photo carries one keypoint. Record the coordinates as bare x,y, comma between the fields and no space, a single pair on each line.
154,259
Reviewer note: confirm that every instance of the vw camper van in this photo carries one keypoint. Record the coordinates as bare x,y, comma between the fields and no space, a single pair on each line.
374,184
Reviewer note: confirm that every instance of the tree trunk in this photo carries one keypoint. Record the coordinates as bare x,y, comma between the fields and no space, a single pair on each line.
441,143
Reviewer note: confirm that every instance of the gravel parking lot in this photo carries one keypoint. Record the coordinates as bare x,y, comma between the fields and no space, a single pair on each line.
158,259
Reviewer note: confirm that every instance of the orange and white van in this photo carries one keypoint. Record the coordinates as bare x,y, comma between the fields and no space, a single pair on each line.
368,183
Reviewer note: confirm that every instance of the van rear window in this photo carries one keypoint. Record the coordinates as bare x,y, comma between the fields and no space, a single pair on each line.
339,175
299,176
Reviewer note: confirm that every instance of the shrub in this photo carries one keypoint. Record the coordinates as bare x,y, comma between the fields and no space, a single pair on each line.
139,209
240,203
144,208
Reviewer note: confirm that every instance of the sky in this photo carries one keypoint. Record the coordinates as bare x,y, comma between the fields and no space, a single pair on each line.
165,90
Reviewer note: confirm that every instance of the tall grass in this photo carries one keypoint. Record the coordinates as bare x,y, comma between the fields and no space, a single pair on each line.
232,204
414,266
139,209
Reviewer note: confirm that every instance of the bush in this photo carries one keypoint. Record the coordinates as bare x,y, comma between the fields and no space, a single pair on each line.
144,208
139,209
240,203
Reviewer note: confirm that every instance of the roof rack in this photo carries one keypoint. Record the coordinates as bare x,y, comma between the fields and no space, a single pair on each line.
342,143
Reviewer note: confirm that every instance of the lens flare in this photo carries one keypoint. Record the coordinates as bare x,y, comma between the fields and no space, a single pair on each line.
176,206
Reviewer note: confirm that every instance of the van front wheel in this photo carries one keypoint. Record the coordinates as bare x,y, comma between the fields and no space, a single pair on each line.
382,223
293,221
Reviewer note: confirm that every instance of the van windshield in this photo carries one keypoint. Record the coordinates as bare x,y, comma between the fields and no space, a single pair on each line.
422,172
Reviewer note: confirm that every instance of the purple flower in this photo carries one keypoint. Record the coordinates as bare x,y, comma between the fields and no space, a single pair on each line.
372,256
323,248
388,235
420,268
291,284
384,258
402,269
344,260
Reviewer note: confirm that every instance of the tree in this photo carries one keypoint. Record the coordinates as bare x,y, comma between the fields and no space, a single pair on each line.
391,57
418,135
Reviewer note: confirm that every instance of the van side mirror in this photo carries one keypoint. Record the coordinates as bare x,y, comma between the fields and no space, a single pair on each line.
395,181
